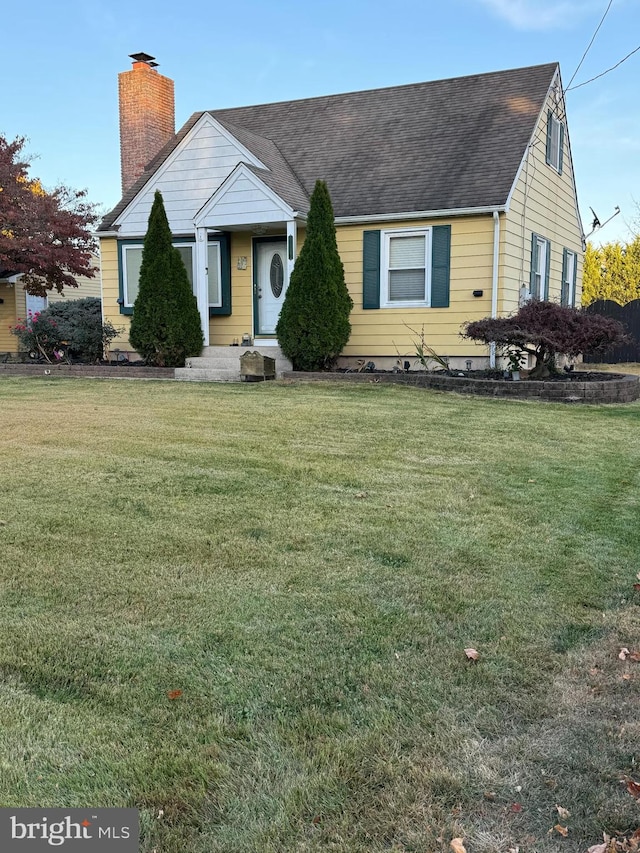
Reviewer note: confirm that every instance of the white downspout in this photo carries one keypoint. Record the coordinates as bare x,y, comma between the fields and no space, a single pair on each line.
494,281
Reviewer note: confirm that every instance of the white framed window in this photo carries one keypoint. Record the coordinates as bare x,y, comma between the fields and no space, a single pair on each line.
405,265
132,261
569,264
540,257
214,275
555,141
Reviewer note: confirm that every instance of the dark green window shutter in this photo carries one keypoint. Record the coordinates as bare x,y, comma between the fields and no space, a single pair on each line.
533,284
575,279
549,122
546,272
225,277
564,295
440,266
371,269
561,147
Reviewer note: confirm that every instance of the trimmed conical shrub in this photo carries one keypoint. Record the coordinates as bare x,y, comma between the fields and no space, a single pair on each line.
165,327
314,322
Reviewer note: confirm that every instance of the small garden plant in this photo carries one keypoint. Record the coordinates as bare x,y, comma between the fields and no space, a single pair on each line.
74,327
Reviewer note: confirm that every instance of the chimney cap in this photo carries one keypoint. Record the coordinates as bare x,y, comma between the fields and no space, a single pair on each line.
144,57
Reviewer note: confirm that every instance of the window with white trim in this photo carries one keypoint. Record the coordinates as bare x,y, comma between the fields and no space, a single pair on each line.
540,248
569,279
132,261
214,275
405,268
555,141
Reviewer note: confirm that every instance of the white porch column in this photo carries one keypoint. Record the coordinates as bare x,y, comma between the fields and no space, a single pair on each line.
202,284
291,247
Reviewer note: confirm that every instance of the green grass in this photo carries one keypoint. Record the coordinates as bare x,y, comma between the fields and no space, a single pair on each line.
307,564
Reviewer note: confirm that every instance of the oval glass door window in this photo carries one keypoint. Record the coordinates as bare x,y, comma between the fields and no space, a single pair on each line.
276,275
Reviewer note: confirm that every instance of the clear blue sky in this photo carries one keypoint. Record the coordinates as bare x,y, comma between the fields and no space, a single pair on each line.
61,61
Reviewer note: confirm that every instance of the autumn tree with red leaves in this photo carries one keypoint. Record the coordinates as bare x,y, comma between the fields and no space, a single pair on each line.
44,236
546,329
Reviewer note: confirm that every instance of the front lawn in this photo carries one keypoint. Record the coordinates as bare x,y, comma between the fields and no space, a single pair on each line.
243,609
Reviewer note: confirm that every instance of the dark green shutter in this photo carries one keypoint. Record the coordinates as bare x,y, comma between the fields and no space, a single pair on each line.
549,123
440,266
560,153
371,269
575,278
225,277
533,285
564,295
546,272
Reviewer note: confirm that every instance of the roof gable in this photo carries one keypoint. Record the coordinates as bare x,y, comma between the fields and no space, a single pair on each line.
208,147
444,145
248,197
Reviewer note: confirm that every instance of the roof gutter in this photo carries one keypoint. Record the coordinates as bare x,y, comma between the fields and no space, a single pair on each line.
419,214
494,280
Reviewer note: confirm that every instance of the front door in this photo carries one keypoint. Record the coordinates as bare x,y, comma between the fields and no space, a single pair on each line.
270,283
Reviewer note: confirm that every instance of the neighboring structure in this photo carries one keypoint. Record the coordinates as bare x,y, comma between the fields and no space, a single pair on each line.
454,200
16,303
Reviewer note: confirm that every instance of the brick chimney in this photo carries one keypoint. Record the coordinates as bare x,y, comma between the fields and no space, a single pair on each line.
147,116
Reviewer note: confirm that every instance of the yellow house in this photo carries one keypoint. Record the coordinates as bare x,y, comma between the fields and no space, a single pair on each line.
453,200
16,303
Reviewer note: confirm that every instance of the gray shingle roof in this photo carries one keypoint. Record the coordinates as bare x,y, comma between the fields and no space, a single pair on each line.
446,144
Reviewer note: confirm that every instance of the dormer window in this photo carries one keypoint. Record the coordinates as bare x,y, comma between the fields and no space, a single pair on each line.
555,142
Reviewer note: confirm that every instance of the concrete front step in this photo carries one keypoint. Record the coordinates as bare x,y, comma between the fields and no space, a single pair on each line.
200,374
222,364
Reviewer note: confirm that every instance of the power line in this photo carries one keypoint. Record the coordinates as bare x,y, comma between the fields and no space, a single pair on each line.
613,67
593,38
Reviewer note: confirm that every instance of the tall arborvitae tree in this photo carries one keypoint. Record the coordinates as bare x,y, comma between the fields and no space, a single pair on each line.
314,322
165,327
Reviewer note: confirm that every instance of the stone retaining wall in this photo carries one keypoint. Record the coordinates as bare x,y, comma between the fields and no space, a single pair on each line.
620,388
86,371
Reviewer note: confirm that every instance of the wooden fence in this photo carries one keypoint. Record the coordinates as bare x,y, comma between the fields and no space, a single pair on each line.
628,314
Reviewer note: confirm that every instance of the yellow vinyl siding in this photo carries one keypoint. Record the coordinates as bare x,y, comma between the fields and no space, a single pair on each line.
543,202
223,329
384,332
86,287
111,293
8,315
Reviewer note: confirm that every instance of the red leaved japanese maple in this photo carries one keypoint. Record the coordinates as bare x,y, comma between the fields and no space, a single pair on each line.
44,236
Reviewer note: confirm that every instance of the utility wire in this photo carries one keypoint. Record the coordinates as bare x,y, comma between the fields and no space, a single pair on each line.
613,67
593,38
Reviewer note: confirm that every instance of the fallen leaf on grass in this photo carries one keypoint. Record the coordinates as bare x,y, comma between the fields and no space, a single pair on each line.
598,848
562,830
636,586
632,787
624,654
516,808
472,654
362,495
563,813
316,820
635,656
457,845
174,694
